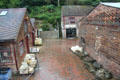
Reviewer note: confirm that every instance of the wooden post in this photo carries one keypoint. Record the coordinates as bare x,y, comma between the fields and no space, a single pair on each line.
16,63
58,3
33,38
27,44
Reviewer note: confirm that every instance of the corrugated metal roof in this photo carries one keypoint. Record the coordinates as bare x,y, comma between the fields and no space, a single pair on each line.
72,10
117,4
11,22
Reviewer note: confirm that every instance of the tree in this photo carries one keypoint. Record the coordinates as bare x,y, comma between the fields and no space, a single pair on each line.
4,3
48,1
13,3
9,3
32,3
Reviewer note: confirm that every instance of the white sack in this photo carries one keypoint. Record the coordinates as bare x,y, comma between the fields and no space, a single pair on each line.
24,68
31,70
77,48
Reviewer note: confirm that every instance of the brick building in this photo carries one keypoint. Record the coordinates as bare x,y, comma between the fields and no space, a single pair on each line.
70,16
100,32
16,36
35,29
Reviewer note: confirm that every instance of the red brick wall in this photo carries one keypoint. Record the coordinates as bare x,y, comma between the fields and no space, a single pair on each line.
22,36
66,21
103,41
11,65
103,44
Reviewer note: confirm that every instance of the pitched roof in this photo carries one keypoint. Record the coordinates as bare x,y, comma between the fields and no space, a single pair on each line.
11,22
104,15
111,4
76,10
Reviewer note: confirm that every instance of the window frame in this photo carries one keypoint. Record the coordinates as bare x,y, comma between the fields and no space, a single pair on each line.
21,46
25,26
9,58
72,20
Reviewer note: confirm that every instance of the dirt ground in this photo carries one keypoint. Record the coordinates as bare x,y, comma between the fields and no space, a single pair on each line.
57,62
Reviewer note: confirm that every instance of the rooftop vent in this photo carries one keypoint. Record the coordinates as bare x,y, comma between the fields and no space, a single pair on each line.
3,13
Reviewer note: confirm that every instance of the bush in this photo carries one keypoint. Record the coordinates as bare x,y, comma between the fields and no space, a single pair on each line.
42,17
49,13
45,27
51,8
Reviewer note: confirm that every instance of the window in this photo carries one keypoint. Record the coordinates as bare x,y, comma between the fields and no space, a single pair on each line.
21,47
25,26
66,20
3,13
5,55
72,20
70,32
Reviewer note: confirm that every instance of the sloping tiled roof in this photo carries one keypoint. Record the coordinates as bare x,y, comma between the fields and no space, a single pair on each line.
116,5
11,22
104,15
76,10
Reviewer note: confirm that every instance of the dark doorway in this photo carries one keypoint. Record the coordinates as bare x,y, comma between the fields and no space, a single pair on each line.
33,38
71,32
27,44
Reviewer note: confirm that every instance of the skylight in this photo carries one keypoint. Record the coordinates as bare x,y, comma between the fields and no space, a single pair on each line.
3,13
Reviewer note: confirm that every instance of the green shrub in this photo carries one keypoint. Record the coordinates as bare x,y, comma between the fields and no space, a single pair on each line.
47,13
45,27
42,17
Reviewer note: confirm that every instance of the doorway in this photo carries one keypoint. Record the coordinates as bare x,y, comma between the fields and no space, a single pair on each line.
71,32
27,44
33,38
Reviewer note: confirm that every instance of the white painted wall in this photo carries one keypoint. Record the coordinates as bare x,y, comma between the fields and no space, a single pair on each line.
65,24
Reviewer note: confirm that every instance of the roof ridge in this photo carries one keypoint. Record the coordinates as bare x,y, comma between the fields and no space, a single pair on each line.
13,8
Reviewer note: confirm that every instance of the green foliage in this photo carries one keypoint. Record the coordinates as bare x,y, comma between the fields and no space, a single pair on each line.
13,3
47,10
42,17
50,8
94,3
45,27
49,15
9,3
87,2
3,4
30,3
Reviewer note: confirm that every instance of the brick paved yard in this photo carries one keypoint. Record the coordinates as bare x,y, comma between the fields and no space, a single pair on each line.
57,62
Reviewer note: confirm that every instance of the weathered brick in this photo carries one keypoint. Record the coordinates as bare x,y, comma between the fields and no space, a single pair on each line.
102,40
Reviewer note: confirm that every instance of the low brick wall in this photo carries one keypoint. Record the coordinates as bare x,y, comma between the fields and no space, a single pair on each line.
49,34
105,62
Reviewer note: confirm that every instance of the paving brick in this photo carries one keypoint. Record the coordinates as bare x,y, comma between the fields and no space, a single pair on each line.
57,62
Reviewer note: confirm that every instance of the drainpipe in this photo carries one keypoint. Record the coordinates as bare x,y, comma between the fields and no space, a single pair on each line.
16,63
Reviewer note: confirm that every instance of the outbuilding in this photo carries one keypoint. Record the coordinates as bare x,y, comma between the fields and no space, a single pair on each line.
100,34
70,16
16,36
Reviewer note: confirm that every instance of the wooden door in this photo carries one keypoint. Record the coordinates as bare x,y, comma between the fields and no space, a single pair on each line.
27,44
